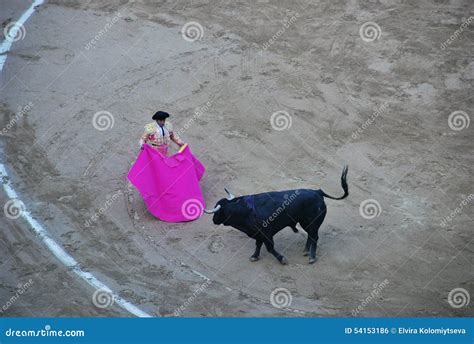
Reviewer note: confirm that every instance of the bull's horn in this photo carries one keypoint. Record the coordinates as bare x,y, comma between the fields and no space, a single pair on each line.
229,195
213,210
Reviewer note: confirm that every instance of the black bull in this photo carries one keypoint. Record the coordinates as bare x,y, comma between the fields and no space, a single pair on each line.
261,216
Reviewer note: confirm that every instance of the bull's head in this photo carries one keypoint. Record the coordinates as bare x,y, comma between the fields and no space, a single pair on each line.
220,209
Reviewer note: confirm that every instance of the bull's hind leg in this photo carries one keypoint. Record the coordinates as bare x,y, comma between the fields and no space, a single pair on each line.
255,256
305,225
306,247
271,248
313,229
312,248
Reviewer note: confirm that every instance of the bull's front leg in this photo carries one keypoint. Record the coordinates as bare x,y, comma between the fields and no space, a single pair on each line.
271,248
255,256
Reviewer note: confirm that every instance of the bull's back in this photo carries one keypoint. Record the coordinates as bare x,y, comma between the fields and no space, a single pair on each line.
293,195
295,203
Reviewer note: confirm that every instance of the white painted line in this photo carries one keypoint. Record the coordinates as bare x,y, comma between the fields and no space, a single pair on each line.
39,230
62,255
7,43
200,275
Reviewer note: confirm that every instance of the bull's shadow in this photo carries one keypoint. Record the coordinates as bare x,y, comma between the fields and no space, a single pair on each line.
261,216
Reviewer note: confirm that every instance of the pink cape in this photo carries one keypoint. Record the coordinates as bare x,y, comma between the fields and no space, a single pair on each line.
169,185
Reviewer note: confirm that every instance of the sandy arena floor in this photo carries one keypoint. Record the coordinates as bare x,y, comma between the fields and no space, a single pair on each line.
379,101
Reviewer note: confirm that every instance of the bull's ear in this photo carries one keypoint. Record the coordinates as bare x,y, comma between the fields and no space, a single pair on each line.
229,195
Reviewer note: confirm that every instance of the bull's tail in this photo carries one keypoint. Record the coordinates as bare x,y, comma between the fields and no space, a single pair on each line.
343,184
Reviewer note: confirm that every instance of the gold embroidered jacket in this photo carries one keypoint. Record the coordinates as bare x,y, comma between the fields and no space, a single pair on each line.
158,136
